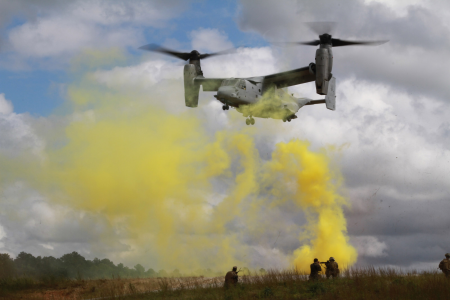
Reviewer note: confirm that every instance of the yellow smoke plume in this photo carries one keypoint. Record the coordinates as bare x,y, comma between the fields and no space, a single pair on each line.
152,174
314,188
274,104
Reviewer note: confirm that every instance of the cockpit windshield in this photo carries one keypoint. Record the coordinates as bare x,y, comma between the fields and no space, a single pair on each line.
230,82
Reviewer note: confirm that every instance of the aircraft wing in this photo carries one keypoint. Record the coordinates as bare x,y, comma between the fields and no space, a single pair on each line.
209,84
288,78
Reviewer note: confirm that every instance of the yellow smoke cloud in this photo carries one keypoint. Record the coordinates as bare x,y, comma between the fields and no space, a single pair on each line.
151,173
274,104
314,188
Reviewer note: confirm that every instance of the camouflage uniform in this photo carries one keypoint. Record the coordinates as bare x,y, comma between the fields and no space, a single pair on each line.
444,265
231,279
315,269
332,268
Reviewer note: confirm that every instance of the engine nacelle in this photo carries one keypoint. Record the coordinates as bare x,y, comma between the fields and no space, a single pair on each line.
191,89
322,70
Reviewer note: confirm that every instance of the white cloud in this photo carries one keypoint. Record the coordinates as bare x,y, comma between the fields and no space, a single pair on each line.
17,136
149,13
369,246
55,33
6,106
269,258
59,36
143,76
210,39
399,6
47,246
2,233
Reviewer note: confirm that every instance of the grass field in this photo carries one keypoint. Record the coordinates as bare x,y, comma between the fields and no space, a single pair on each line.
368,283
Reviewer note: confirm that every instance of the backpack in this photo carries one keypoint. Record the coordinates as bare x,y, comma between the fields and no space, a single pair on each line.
331,266
442,265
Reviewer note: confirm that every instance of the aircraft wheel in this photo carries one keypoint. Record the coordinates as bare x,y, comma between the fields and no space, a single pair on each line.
227,107
252,121
247,121
224,107
289,119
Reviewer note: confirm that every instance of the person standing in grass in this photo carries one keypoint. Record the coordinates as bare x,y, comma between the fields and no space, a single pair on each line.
332,268
231,278
315,269
444,265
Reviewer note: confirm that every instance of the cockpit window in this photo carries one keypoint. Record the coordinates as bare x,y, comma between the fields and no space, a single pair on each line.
230,82
241,84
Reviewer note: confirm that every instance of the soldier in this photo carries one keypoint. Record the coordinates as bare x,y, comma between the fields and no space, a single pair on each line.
332,268
315,269
444,265
231,279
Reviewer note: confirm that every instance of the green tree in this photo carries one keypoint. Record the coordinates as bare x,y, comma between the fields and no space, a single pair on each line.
176,273
7,268
75,264
151,273
140,270
27,265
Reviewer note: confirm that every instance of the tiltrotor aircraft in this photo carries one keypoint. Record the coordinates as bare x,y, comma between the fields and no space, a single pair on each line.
247,94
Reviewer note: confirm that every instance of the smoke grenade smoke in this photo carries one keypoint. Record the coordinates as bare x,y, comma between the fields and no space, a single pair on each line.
316,191
176,195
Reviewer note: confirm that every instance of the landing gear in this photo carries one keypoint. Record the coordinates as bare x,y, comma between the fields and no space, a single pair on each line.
226,107
289,118
250,121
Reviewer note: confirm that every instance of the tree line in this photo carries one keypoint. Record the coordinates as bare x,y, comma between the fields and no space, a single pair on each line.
75,266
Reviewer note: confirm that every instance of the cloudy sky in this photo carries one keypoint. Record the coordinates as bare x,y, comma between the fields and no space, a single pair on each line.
390,125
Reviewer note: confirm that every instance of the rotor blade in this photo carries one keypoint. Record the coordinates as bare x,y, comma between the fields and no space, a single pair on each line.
321,27
311,43
157,48
228,51
339,43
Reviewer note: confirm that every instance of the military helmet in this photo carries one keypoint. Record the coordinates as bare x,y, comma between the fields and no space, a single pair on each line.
447,254
332,258
234,268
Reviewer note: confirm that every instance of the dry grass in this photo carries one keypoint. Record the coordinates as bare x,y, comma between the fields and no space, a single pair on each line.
367,283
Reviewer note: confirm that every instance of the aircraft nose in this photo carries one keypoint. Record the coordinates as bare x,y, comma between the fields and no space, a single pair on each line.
226,92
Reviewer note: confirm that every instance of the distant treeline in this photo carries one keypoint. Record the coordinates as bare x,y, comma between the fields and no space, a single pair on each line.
75,266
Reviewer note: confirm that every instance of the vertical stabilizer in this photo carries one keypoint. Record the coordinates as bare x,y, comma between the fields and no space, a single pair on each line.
330,98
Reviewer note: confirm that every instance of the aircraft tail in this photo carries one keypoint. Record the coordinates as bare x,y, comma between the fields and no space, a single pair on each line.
330,98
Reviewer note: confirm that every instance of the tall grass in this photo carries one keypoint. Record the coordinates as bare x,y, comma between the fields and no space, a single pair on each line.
354,283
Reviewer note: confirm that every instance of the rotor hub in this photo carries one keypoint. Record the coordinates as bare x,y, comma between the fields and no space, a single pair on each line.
195,55
325,38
